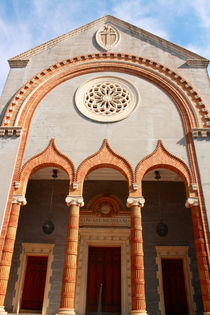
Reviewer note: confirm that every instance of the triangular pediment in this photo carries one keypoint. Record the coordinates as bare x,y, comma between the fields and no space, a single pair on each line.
136,32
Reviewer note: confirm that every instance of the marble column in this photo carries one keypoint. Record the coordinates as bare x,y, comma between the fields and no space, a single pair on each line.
137,256
8,248
201,253
71,252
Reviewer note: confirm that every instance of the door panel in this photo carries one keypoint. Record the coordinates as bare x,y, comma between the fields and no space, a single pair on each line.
174,286
34,284
104,267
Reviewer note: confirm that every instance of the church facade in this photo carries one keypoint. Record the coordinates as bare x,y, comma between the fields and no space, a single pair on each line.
105,198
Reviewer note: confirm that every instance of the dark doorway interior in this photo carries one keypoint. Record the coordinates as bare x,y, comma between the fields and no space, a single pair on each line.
174,287
104,267
34,284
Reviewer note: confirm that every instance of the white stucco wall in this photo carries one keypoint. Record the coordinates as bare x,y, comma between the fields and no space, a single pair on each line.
135,137
202,147
8,153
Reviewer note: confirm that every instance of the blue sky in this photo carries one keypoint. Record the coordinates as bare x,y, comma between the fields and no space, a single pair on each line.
27,23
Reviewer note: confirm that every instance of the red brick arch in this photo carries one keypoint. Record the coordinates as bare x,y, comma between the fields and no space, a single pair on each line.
105,157
190,105
187,99
51,156
161,158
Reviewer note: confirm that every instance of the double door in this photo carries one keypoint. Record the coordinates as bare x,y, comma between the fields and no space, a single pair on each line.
104,267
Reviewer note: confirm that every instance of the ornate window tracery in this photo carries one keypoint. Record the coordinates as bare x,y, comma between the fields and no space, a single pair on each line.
106,99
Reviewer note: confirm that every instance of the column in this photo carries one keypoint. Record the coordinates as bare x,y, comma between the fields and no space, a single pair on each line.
71,252
8,248
201,253
137,256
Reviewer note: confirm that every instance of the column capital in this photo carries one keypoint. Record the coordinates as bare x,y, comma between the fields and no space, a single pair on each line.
135,201
74,200
19,199
191,202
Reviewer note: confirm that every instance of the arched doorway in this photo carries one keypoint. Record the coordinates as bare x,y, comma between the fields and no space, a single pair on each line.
169,249
103,275
40,244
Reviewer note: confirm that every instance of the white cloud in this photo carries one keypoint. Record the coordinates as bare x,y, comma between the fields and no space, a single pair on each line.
137,13
204,51
202,10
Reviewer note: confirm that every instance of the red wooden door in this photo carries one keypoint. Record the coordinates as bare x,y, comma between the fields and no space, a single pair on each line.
33,290
174,286
104,267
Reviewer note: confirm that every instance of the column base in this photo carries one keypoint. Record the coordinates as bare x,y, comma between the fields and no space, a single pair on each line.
65,311
139,312
2,310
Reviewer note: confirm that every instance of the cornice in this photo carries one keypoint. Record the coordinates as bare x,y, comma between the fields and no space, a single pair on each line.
18,63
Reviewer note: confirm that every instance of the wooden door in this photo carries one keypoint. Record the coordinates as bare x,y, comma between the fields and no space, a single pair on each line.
104,267
174,286
34,284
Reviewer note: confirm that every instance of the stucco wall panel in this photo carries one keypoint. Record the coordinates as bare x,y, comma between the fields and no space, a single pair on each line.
9,149
78,137
202,148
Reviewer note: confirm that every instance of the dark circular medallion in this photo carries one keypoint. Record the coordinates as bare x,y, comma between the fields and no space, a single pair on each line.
48,227
162,229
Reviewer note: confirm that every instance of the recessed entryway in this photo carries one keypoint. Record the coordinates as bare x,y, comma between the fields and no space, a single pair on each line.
104,270
34,283
175,297
116,240
175,281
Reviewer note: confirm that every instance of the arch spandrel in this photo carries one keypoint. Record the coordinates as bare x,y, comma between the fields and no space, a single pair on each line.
105,157
161,158
51,156
188,101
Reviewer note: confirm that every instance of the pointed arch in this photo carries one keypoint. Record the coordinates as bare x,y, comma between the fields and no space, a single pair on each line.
161,158
51,156
22,107
105,157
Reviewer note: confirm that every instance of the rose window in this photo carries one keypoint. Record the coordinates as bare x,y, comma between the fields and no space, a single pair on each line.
106,99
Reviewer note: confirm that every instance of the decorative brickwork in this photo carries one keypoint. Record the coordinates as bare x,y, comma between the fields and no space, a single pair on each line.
7,253
105,157
163,159
137,257
172,83
19,114
70,263
51,156
20,111
202,257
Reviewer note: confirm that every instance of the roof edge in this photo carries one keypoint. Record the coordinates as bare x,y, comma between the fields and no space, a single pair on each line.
111,19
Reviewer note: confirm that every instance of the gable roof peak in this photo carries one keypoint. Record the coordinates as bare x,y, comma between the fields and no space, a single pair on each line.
25,56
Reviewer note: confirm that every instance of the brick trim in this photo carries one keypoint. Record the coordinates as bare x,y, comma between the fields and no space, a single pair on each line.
105,157
162,158
190,105
51,156
166,78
